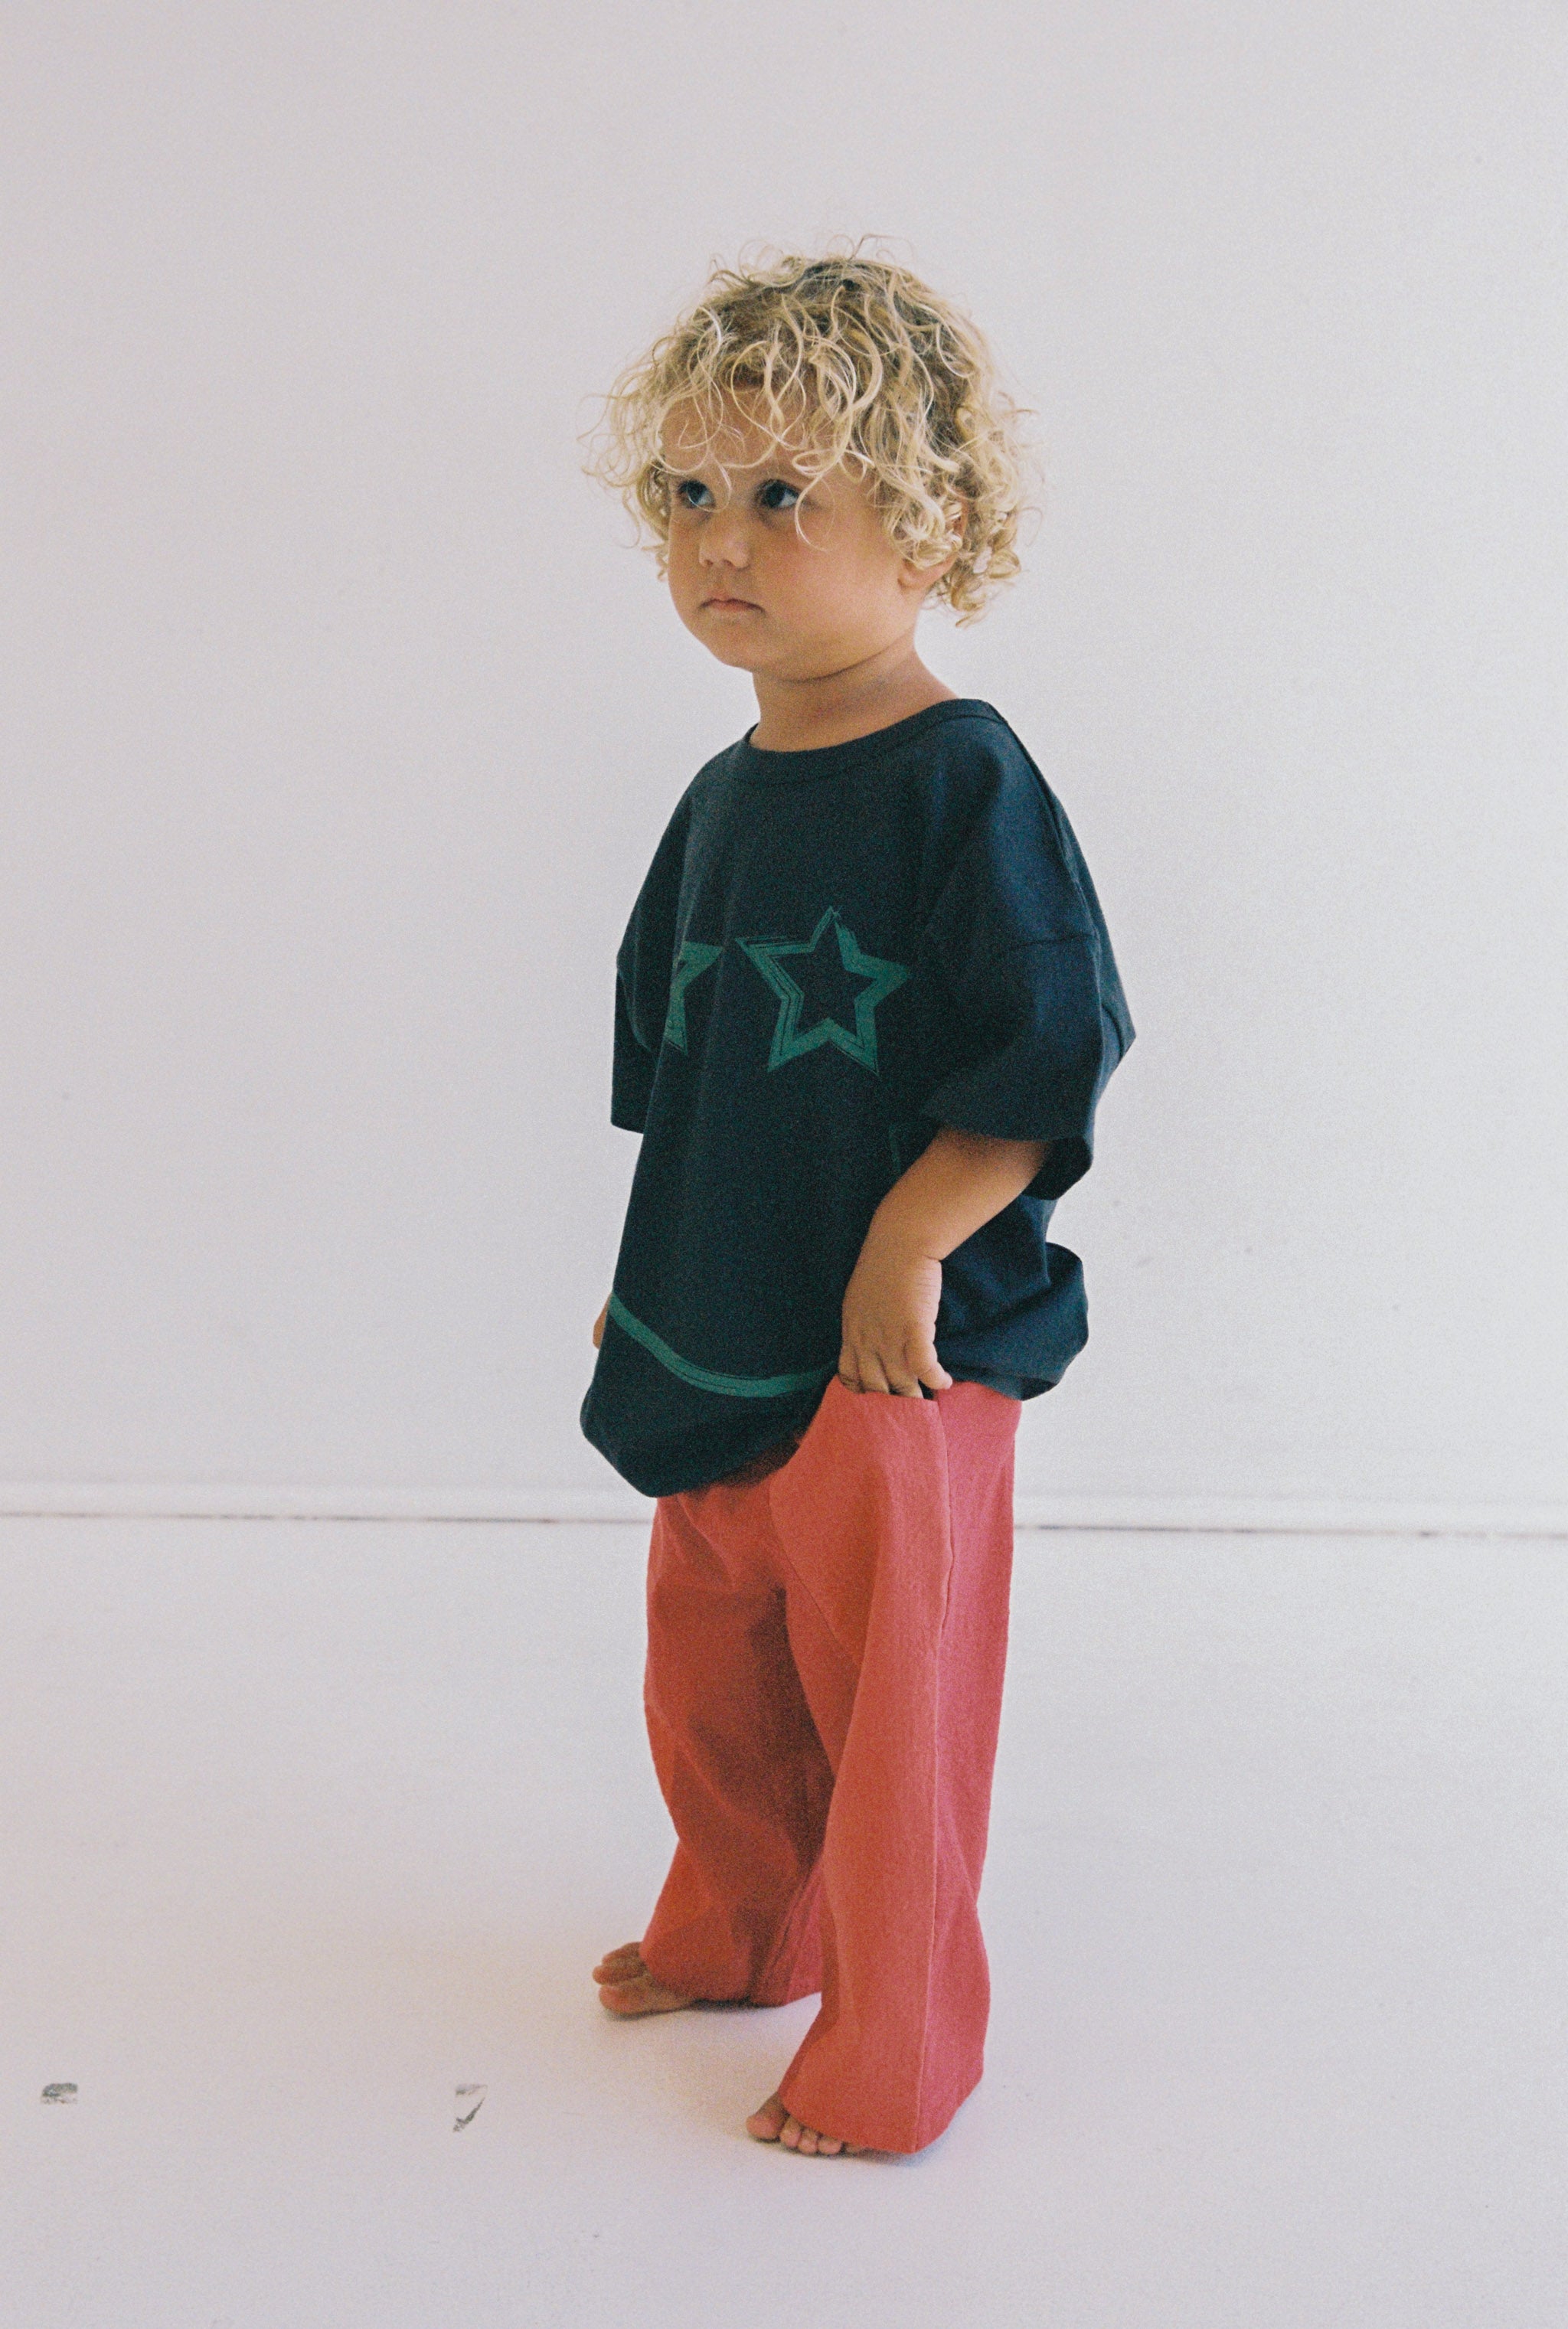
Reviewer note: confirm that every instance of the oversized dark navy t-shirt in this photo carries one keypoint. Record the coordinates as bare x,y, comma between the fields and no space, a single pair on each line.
833,953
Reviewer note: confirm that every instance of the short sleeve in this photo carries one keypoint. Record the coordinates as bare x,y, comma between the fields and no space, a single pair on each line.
1037,1047
1037,1014
642,981
631,1070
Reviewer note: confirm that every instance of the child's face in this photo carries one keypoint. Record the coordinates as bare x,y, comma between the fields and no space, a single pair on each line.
790,601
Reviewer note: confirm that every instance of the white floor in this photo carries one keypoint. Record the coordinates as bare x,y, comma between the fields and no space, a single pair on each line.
306,1826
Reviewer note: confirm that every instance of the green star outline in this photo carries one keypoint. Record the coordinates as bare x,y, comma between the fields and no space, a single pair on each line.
788,1042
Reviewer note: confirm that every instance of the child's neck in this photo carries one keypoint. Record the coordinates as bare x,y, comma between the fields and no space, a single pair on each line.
801,715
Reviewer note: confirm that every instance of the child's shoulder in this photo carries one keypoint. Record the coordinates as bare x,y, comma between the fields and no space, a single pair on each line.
983,763
965,736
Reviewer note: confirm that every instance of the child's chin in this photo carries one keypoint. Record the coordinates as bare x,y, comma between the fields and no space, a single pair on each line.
744,654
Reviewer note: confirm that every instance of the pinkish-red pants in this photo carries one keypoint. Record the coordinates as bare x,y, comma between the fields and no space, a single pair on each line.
827,1635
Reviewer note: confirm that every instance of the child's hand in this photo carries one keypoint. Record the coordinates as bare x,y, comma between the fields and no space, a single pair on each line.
890,1321
598,1325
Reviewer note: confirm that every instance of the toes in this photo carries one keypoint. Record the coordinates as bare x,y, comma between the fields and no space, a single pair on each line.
627,1986
625,1996
767,2125
774,2123
626,1993
639,1993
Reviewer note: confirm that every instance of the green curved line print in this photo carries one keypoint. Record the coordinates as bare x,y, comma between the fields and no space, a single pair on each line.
704,1377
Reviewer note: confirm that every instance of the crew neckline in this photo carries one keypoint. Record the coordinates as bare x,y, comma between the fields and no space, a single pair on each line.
763,767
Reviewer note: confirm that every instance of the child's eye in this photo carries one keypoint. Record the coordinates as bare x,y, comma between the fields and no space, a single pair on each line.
775,494
690,491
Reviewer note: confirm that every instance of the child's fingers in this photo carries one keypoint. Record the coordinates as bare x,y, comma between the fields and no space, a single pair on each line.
927,1367
931,1370
860,1370
870,1369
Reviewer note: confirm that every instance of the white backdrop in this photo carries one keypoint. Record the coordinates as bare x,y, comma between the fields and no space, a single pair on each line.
342,722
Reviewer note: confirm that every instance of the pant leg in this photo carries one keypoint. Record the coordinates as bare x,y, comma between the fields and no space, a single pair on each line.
895,1522
738,1757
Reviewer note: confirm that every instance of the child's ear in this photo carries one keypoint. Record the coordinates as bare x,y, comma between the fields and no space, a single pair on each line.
923,578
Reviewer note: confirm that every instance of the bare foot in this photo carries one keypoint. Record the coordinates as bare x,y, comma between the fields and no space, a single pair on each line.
773,2124
626,1985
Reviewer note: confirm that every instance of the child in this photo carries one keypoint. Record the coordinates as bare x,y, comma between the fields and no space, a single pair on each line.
865,1005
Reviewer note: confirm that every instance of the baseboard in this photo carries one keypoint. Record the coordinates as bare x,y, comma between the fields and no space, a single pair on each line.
1289,1516
1191,1515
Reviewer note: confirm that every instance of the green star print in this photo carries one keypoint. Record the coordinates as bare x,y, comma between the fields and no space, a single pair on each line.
788,1041
690,963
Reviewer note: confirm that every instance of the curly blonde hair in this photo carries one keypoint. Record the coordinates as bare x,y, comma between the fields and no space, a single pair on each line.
845,358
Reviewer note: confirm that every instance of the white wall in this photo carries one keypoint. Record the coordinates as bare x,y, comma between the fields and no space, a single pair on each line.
342,723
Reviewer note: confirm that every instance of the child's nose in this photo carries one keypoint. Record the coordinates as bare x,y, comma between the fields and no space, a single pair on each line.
724,539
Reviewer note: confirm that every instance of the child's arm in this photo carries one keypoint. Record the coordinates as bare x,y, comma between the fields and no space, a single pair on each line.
890,1305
